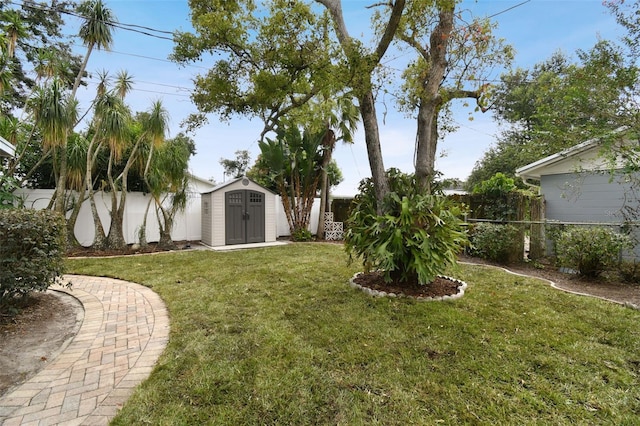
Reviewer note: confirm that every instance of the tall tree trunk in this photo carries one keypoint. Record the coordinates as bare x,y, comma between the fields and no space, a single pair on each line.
83,67
363,84
324,194
427,131
427,135
166,225
374,150
72,241
115,238
99,240
328,144
60,193
142,232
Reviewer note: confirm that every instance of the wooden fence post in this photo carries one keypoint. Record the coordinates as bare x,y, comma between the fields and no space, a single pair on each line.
537,238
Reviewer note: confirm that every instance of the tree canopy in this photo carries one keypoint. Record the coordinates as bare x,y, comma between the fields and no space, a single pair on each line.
272,61
559,103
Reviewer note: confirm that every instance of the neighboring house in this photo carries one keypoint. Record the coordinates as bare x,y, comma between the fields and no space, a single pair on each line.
6,148
238,212
579,186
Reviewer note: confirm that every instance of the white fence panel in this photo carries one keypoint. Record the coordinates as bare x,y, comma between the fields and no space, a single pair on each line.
282,226
187,224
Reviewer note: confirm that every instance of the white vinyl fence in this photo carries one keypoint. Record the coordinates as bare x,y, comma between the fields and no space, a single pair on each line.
187,224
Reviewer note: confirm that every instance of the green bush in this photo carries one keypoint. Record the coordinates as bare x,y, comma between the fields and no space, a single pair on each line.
498,243
498,184
301,235
630,272
590,250
31,252
8,185
417,238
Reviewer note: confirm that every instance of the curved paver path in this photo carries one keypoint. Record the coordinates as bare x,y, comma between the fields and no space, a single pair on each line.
124,331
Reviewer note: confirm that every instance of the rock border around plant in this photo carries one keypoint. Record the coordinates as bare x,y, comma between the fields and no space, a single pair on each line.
378,293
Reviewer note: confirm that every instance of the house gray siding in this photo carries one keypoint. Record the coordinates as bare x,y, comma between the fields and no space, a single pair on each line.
584,197
589,198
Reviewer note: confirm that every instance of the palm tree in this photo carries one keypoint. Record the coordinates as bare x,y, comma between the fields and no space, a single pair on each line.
58,115
111,128
76,164
344,118
154,125
14,29
54,114
96,32
167,179
293,163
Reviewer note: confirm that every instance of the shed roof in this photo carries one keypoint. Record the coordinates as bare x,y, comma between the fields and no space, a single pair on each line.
234,180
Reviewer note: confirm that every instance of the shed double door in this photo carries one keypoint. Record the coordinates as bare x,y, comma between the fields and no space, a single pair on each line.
244,217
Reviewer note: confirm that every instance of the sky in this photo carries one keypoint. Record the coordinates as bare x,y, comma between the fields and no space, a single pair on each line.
535,28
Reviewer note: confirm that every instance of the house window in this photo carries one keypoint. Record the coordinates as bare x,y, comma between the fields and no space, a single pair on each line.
205,207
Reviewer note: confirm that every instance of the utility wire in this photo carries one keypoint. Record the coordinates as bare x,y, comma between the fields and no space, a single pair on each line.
124,26
151,58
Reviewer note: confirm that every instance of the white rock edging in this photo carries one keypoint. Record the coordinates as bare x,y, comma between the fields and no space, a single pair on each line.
377,293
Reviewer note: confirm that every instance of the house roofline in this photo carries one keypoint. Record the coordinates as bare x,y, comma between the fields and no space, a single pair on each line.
6,148
529,171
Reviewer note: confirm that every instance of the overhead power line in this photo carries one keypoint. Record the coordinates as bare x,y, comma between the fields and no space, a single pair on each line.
148,31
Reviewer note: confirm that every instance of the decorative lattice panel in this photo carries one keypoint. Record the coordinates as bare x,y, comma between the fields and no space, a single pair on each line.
334,231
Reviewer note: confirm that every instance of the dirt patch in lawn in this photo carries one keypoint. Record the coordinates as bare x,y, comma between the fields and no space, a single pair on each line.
439,287
30,340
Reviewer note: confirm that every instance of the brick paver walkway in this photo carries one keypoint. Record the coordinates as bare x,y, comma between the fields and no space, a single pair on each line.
125,329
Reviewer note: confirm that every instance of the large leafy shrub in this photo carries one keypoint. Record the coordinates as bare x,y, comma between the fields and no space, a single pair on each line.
417,238
498,243
8,185
31,251
590,250
497,198
498,184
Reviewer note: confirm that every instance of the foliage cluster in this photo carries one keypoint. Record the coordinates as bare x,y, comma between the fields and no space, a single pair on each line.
498,197
31,253
590,250
293,164
8,184
496,242
558,103
630,271
302,235
417,238
118,151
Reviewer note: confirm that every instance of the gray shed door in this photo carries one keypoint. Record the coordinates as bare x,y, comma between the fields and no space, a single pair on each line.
244,212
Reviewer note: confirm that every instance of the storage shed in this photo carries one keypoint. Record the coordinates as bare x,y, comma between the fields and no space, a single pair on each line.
238,212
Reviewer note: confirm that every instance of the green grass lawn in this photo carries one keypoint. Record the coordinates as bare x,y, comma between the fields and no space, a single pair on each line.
276,336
